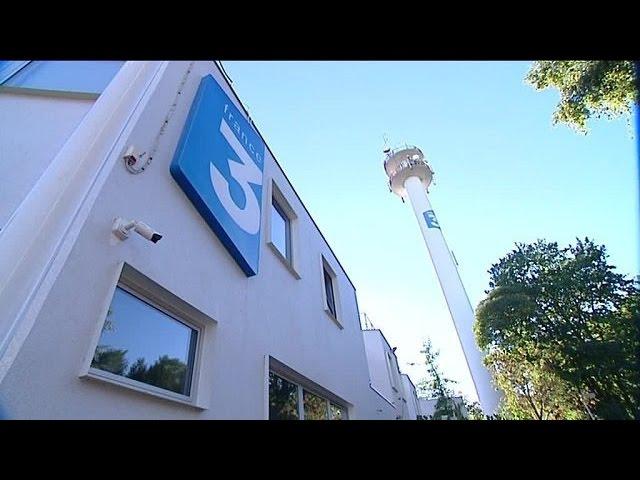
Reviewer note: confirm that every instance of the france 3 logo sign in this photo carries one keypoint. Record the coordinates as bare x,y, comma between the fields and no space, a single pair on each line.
219,164
430,218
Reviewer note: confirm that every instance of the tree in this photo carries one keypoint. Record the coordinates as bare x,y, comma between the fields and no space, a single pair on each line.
560,329
473,411
110,359
587,88
166,372
439,387
138,371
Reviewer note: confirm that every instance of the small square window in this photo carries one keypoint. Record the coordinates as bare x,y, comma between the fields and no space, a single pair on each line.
281,230
142,343
329,292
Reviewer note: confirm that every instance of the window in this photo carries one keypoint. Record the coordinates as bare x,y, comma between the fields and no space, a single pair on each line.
152,341
291,401
283,399
142,343
282,222
330,298
315,407
328,286
390,368
280,230
336,412
330,292
88,77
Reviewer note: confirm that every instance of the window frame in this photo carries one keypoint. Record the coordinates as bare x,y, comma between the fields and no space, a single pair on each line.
392,378
286,373
9,68
70,90
148,291
288,254
337,316
278,202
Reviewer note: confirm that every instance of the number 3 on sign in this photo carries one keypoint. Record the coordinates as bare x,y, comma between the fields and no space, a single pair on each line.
247,218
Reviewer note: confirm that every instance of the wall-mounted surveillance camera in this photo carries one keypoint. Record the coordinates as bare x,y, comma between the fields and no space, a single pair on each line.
135,161
121,229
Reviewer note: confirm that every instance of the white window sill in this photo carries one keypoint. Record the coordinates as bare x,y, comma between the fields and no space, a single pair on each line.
103,376
333,317
284,260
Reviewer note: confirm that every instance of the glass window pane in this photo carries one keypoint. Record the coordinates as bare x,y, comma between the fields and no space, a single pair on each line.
68,75
280,229
337,412
328,285
283,399
315,407
9,67
142,343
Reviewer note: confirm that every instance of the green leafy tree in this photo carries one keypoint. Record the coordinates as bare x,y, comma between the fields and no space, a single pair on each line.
436,385
166,372
138,371
560,329
474,411
587,88
110,359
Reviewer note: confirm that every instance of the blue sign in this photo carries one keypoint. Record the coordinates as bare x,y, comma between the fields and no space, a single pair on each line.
219,164
430,218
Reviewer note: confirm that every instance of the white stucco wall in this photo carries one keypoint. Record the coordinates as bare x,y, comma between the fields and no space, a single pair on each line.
32,130
272,313
385,377
411,398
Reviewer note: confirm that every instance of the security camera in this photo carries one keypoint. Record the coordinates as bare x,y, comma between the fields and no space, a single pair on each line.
133,160
121,229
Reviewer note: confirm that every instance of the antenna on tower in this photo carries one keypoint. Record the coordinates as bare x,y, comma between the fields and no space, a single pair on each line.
386,148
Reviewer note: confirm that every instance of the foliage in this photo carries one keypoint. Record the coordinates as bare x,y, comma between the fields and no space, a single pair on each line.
110,359
474,411
587,88
560,329
165,372
437,386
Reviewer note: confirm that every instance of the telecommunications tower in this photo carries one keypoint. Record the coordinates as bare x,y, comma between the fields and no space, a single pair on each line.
410,176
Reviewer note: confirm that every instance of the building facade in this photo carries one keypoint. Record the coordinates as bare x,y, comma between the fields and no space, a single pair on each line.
158,262
386,378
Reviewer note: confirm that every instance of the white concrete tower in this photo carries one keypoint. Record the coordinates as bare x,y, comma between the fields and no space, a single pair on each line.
410,176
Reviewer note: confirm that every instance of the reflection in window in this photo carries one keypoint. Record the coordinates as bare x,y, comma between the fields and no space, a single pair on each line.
328,288
315,407
283,399
280,230
285,404
66,75
142,343
336,412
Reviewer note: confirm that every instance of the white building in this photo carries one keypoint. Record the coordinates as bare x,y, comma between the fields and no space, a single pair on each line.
386,379
214,296
411,398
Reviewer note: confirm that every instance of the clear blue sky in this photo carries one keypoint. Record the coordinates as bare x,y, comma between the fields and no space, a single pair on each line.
503,174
